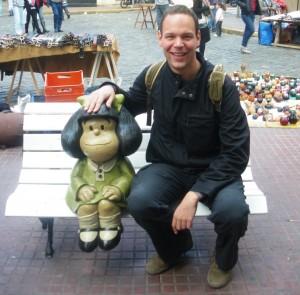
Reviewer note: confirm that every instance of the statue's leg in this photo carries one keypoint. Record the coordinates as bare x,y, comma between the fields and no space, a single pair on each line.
47,223
88,227
110,225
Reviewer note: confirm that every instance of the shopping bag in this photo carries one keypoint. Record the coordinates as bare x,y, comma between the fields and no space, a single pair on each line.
265,33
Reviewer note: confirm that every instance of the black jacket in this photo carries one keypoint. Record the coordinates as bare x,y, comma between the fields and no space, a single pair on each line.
188,132
245,6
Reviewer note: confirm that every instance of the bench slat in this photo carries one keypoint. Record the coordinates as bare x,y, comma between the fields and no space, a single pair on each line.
49,201
51,108
52,142
62,176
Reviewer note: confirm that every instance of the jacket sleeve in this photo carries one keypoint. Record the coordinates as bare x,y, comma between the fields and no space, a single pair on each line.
234,137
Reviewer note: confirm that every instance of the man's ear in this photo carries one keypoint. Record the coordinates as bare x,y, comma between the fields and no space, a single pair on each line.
199,37
159,38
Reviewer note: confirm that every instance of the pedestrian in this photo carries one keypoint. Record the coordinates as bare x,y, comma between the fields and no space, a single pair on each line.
57,9
249,8
213,10
0,7
18,6
202,9
31,10
40,5
195,154
221,7
65,9
161,7
10,8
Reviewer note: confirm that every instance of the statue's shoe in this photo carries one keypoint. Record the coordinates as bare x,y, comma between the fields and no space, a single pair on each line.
88,239
109,238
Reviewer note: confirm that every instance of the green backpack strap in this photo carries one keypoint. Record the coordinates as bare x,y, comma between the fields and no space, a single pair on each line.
215,86
149,81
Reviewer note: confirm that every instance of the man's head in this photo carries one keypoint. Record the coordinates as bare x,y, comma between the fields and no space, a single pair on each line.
179,38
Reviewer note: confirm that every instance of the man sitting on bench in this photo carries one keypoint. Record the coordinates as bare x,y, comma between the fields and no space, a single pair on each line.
197,153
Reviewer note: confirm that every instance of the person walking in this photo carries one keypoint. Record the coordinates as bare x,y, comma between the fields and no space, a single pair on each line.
202,10
161,7
213,10
18,6
31,9
10,8
195,154
219,18
249,8
65,9
40,10
57,9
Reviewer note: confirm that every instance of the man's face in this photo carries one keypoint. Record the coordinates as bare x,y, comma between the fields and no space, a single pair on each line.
179,42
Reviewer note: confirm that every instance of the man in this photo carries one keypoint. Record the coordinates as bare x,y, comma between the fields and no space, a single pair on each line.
249,8
57,9
196,153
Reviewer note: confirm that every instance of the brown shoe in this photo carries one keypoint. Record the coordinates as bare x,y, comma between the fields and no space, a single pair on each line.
156,266
217,278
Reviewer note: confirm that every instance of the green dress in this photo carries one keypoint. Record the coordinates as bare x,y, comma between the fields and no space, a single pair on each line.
117,172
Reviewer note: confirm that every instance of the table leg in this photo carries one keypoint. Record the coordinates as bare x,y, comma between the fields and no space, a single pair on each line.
95,69
33,77
12,82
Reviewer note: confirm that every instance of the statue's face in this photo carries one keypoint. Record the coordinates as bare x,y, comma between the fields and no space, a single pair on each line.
99,140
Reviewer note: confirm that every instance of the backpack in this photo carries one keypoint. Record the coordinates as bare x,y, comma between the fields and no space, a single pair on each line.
215,86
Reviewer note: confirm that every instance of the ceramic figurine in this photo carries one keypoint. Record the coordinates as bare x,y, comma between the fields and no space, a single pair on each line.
101,178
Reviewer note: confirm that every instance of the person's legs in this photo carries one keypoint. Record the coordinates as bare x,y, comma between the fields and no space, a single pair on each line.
155,193
160,9
18,19
60,16
249,29
55,15
230,217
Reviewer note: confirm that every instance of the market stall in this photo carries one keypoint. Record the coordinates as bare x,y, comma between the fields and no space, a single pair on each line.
286,29
94,54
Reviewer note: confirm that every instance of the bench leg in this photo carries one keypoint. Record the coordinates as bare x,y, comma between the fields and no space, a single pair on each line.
48,223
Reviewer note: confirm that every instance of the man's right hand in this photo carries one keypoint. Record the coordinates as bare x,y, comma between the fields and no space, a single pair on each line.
94,100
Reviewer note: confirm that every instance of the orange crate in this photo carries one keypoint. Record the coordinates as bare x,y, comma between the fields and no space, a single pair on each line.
63,86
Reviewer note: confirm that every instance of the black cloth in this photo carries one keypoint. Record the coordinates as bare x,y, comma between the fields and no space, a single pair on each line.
188,132
246,7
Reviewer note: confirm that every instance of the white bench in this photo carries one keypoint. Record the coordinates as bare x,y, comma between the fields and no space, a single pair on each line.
46,169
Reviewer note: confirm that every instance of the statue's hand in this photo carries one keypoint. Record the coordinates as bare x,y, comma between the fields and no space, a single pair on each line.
86,193
112,193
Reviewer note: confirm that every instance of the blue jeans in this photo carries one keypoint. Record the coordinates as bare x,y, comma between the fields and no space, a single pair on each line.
156,191
160,9
211,22
57,9
249,27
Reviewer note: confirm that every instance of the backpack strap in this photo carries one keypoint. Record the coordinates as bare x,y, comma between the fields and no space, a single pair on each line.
215,86
149,81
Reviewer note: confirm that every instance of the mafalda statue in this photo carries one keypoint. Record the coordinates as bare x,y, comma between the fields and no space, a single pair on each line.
101,178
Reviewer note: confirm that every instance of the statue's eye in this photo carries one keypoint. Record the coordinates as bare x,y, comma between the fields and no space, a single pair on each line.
102,127
91,127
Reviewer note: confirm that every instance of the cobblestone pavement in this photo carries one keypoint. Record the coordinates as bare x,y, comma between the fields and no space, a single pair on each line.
269,258
138,48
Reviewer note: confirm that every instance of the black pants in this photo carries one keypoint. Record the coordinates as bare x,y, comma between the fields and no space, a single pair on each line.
156,191
219,28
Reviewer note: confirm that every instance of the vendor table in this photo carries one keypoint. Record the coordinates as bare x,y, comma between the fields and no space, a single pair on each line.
144,12
95,62
290,18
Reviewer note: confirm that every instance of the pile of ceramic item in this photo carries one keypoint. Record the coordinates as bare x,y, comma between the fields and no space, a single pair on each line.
269,98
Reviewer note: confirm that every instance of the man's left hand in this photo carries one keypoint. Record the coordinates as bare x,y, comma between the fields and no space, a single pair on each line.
184,214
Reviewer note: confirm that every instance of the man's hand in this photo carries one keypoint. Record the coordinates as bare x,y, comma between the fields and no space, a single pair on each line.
184,214
94,101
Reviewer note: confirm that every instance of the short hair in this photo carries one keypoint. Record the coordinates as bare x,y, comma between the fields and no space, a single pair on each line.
180,9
